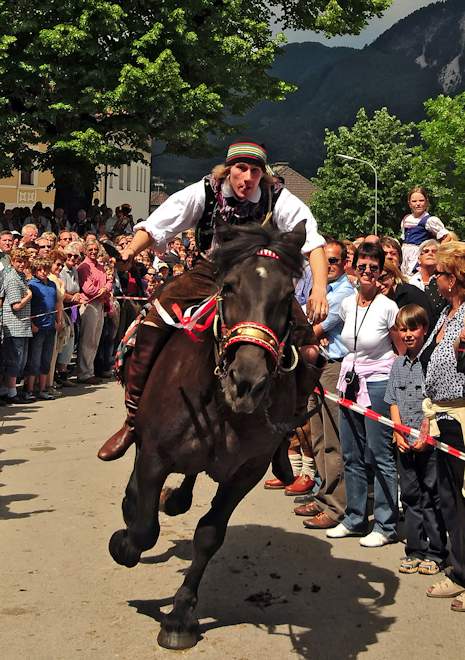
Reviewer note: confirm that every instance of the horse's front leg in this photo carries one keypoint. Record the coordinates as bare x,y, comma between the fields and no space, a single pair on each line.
140,510
179,628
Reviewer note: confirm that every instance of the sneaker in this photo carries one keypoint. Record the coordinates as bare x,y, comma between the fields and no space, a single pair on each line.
92,380
65,382
376,540
340,532
9,400
409,565
29,397
46,396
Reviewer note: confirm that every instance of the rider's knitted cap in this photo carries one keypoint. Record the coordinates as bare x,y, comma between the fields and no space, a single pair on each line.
246,152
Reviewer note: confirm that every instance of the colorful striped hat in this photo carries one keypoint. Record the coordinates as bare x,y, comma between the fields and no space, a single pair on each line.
246,152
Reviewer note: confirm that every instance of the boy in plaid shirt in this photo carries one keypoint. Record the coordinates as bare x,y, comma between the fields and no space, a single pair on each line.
425,550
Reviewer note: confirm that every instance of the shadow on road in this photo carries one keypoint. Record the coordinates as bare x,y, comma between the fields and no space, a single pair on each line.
7,500
289,584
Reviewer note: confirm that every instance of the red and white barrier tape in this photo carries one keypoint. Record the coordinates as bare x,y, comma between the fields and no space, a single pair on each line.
55,311
36,316
131,298
371,414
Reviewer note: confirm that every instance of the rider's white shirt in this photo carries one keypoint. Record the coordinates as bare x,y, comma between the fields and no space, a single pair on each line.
183,210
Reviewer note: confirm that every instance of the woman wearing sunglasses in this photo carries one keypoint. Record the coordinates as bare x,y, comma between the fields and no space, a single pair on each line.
394,285
425,278
368,332
445,408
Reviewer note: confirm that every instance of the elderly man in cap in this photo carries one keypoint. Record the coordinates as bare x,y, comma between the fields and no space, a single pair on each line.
238,191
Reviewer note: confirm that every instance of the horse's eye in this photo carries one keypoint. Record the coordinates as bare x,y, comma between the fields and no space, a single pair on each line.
227,289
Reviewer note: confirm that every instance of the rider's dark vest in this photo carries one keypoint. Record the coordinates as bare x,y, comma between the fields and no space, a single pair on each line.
213,211
416,235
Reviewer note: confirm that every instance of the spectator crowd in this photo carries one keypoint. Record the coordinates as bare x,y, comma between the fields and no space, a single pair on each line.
392,341
63,296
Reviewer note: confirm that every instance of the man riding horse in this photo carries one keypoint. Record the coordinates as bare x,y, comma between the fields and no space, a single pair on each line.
236,192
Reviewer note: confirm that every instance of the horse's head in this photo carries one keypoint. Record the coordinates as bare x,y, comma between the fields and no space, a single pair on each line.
257,270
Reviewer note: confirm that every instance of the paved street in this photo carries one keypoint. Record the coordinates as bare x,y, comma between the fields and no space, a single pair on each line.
273,591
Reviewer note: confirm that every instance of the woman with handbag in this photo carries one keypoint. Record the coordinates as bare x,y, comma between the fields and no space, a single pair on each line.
367,447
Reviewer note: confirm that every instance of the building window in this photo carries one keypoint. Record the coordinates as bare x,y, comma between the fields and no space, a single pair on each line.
27,177
138,179
121,177
110,179
145,178
129,177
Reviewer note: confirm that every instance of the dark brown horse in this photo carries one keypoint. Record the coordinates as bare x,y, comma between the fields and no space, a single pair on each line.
220,408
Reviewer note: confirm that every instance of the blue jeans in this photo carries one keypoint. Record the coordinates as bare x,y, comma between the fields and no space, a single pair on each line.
14,352
367,446
40,352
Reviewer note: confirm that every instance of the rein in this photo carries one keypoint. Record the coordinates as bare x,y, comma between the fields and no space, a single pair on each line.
250,332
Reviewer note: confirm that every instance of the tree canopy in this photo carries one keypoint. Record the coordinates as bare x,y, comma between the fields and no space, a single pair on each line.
344,200
439,164
94,80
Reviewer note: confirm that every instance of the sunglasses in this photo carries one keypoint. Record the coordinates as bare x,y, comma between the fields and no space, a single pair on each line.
441,272
334,260
384,277
429,251
363,267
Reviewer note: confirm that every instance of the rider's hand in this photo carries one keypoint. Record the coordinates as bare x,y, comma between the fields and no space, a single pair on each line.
317,306
127,258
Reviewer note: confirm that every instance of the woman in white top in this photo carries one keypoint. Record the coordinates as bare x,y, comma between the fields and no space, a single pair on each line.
368,333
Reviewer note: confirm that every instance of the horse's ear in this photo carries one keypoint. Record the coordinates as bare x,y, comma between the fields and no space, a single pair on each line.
297,236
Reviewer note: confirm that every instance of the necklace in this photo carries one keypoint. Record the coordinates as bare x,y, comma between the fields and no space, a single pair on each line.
363,300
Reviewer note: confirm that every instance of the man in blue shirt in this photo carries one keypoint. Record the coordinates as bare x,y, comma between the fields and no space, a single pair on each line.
326,509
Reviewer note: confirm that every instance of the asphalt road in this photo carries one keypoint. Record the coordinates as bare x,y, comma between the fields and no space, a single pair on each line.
274,590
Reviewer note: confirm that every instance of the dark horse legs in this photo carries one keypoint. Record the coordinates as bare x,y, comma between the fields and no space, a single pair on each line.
140,511
179,628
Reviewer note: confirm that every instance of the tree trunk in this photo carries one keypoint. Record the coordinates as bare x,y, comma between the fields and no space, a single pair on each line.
74,185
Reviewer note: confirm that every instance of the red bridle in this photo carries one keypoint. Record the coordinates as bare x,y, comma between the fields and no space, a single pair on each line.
250,332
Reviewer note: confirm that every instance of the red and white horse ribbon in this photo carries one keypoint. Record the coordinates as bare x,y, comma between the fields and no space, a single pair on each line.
189,319
371,414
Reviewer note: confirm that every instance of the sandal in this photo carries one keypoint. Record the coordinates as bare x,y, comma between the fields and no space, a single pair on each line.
458,604
429,567
409,565
445,589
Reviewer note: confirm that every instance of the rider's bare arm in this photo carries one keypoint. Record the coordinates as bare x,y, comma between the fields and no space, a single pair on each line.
141,241
317,305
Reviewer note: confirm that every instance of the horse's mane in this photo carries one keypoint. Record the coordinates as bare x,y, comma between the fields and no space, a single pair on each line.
239,242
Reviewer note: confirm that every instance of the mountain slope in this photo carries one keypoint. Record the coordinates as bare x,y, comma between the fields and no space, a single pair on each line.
420,57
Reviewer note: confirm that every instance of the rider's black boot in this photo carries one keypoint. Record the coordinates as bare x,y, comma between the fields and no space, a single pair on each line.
150,340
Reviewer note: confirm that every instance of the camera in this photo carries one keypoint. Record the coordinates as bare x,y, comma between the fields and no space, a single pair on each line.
353,385
351,377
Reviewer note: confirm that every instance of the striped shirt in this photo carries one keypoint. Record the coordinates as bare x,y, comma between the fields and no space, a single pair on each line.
14,288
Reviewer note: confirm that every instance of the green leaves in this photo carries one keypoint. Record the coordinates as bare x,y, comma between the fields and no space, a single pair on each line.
345,199
440,163
94,80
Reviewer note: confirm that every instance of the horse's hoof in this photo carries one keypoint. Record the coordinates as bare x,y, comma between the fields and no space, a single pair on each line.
177,640
122,549
175,501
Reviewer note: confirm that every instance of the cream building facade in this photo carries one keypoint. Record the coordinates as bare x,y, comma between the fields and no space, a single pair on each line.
128,184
